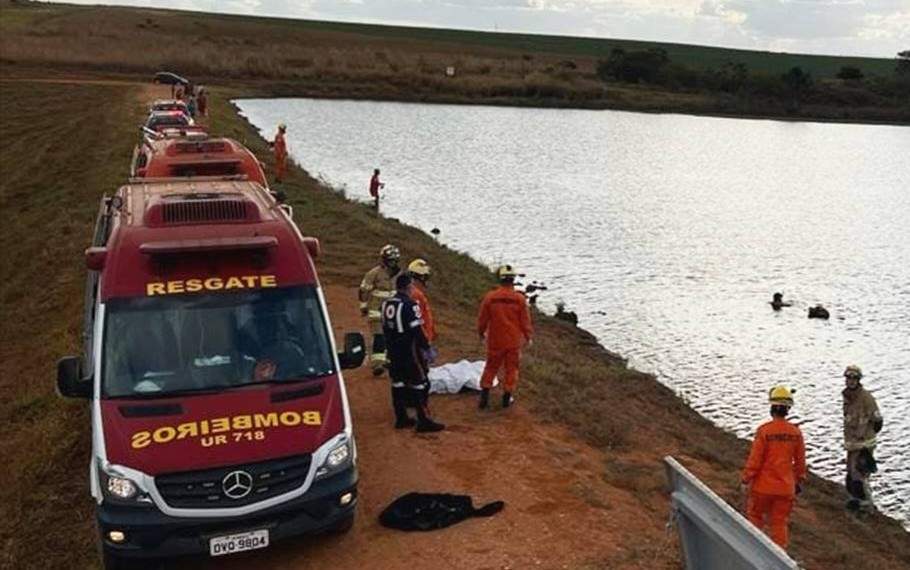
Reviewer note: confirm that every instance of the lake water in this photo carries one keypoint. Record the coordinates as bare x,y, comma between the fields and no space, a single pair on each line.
668,234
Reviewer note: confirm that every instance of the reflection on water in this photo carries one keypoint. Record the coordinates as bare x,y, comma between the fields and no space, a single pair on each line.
668,234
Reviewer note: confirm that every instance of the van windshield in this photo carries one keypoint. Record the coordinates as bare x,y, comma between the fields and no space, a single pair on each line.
159,345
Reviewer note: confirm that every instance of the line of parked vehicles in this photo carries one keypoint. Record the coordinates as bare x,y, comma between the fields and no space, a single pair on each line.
220,421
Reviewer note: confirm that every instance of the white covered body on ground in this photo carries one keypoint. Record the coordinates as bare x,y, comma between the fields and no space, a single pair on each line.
454,377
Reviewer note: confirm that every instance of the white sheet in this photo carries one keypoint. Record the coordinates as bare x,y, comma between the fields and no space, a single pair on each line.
452,378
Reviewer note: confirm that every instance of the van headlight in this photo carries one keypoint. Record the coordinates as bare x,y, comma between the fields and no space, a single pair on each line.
337,460
119,487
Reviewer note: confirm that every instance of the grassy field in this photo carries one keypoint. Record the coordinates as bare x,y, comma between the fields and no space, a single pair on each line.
343,34
323,59
61,151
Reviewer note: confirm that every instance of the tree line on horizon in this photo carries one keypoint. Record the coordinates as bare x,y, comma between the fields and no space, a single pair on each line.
850,86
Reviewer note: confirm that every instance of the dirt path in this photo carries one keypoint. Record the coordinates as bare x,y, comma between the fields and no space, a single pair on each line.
558,512
567,504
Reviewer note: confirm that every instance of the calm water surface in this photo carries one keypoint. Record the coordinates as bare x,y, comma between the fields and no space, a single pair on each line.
668,234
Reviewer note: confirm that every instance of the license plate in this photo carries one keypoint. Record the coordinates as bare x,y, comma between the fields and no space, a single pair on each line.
233,543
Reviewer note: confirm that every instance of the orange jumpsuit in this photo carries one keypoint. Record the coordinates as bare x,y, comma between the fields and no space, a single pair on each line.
281,156
420,297
506,321
776,464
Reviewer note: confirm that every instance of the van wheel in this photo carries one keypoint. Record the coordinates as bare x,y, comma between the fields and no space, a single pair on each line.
343,526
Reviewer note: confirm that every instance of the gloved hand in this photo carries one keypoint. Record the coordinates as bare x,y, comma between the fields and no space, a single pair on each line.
430,355
799,487
363,310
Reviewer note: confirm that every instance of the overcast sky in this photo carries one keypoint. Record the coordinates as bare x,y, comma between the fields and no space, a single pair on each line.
878,28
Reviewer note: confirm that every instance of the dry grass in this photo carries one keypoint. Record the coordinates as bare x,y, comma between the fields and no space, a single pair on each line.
61,150
320,59
222,49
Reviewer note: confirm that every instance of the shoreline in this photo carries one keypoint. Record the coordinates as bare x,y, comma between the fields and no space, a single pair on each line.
583,335
557,104
271,89
569,379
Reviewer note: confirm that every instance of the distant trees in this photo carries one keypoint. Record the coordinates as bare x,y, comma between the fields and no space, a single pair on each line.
633,66
798,82
743,87
731,77
903,63
848,73
797,79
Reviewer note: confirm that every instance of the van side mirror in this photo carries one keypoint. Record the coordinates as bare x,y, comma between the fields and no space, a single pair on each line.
354,351
70,382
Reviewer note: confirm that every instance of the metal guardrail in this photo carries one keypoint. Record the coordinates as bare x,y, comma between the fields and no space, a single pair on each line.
714,536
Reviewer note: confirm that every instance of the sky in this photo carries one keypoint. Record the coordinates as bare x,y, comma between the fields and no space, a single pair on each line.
875,28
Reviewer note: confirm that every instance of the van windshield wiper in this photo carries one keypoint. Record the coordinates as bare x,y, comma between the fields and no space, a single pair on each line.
294,380
171,393
214,389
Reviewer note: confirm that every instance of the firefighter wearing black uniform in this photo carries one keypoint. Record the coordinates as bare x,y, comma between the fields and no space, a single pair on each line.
405,343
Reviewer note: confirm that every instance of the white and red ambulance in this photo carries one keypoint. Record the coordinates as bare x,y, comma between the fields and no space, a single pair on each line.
219,416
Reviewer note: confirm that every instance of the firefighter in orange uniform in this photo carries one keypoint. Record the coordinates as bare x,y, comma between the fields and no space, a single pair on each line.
280,147
505,323
776,469
419,270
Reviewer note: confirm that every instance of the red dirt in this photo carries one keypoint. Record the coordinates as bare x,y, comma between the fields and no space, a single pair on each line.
559,513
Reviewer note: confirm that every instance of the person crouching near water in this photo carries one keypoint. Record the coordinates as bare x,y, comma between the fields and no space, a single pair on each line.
406,343
862,422
776,469
504,323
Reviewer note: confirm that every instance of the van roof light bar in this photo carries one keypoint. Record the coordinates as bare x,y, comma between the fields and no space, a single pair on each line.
208,245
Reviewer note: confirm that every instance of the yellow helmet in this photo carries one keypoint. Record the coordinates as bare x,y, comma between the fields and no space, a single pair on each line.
781,396
420,268
853,371
506,272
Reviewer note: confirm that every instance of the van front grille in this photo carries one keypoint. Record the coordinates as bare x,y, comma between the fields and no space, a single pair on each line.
222,487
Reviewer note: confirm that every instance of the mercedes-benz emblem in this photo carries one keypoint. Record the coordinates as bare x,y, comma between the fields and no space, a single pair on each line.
237,484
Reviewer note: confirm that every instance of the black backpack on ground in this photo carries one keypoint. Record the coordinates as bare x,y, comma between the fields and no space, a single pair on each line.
429,511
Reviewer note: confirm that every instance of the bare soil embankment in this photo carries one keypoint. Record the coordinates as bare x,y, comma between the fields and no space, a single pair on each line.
577,461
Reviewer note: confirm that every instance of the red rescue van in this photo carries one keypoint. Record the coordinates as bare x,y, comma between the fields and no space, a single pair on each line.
158,120
195,154
170,105
220,421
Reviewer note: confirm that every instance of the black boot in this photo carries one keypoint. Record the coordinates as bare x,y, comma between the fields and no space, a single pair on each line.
507,399
425,424
379,349
484,399
400,405
404,422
